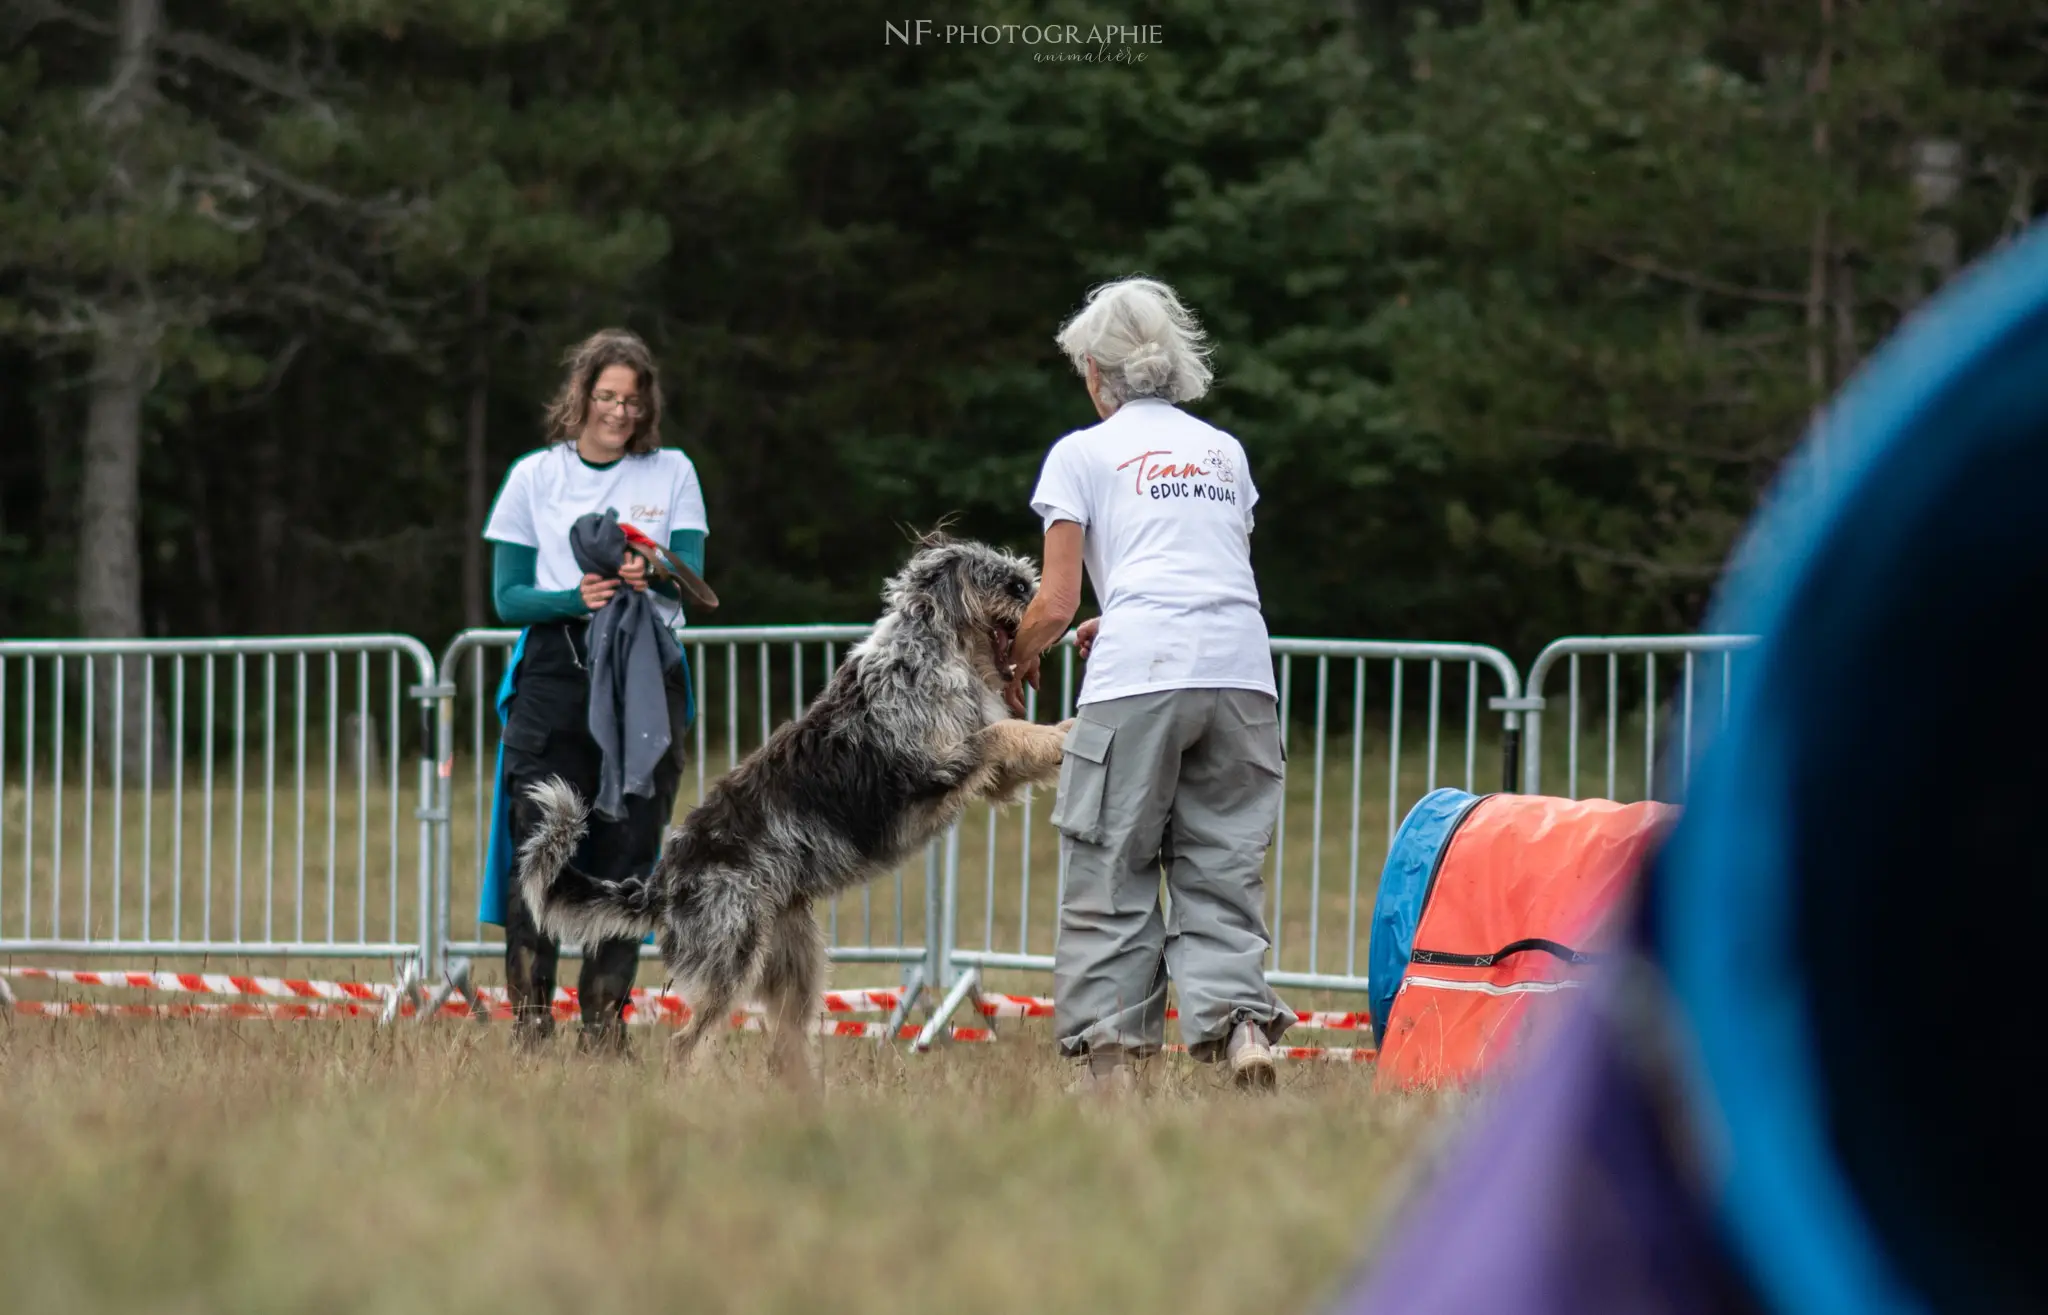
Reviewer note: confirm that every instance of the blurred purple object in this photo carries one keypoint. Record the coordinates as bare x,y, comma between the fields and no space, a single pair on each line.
1566,1200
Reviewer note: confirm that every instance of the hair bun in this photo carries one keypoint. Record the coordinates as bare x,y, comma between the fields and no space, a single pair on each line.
1142,339
1147,369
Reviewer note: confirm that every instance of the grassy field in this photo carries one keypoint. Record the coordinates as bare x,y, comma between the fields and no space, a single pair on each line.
332,1166
229,1166
216,1166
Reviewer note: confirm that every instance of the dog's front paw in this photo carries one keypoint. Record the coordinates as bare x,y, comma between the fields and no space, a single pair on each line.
1058,751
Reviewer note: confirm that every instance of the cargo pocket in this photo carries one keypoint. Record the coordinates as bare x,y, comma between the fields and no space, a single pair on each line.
1084,774
525,744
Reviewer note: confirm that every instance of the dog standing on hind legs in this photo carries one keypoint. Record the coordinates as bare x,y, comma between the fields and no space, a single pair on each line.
910,731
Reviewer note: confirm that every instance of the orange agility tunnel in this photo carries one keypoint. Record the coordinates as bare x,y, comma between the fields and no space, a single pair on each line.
1490,908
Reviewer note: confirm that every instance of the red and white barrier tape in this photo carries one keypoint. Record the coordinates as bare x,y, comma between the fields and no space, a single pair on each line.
876,1000
193,1009
859,1001
1334,1021
207,984
672,1011
325,1009
1319,1054
321,999
996,1005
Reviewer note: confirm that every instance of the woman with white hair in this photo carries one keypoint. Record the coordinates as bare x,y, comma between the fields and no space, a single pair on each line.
1174,761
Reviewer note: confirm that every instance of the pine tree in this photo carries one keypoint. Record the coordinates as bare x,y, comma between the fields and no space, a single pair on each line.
546,169
130,210
1646,242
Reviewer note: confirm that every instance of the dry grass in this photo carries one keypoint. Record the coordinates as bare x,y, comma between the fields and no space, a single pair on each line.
260,1167
223,1167
216,1166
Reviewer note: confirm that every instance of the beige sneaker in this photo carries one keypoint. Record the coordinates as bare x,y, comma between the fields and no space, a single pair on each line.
1251,1059
1105,1075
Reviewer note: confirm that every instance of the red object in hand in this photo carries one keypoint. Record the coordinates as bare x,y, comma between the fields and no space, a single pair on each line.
665,563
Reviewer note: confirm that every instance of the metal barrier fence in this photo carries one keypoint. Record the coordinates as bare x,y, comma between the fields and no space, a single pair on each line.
1376,742
1689,698
1399,697
244,797
125,818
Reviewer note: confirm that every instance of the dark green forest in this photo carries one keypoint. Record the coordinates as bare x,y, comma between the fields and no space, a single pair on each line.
1518,307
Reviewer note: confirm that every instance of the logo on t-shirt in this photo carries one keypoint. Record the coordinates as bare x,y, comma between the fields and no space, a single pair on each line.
1209,480
643,512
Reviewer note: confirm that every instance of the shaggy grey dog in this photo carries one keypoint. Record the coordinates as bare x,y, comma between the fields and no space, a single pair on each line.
911,729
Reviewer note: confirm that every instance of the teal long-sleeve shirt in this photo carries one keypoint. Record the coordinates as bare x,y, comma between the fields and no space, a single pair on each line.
520,602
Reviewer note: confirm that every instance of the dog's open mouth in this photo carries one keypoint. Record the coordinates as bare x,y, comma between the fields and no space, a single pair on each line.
1002,641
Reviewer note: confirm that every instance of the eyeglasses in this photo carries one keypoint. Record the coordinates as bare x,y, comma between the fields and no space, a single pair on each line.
634,406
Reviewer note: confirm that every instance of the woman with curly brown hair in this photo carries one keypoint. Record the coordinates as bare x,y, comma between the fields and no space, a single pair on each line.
604,454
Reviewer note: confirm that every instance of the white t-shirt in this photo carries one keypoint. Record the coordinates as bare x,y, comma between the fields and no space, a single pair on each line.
546,491
1165,501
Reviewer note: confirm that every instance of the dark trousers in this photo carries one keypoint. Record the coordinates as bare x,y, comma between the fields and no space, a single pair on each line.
547,735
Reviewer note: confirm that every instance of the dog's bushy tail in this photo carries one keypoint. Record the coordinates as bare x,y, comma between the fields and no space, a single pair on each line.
568,903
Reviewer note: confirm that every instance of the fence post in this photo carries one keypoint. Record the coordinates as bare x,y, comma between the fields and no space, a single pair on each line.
1532,736
451,976
435,773
950,992
941,903
1513,705
444,851
1521,741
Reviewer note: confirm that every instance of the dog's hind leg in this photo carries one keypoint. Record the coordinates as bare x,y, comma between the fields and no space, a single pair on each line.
711,996
710,958
792,975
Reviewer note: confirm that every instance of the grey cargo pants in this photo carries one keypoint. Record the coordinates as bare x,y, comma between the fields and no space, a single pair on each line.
1186,782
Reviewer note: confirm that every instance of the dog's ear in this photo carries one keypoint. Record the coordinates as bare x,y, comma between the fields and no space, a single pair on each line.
949,588
935,587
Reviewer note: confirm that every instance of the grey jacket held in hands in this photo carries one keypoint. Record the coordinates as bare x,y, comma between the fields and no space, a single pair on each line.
633,657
